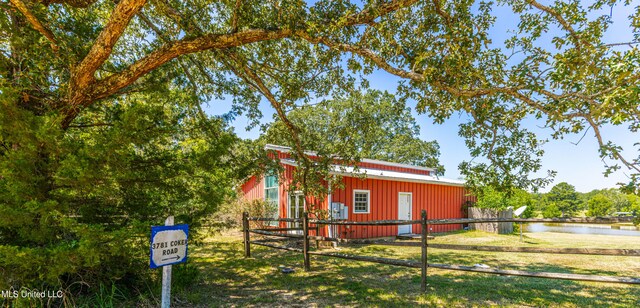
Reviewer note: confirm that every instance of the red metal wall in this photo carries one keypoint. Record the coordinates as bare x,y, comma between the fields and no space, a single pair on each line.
440,201
253,189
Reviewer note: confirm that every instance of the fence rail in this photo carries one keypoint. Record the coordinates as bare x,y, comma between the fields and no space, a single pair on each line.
572,251
423,263
274,219
366,223
456,221
276,234
572,220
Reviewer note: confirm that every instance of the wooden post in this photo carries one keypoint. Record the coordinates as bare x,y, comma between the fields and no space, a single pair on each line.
521,231
166,276
317,234
423,223
305,240
247,239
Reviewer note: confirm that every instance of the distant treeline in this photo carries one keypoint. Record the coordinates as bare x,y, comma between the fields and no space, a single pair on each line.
562,201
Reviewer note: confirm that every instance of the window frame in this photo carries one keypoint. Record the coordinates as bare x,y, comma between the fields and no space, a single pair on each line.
277,200
368,192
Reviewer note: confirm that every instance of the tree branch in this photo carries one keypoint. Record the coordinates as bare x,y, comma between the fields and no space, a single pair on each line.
234,19
563,22
155,59
630,44
363,52
252,78
36,24
187,24
83,76
616,153
367,16
166,39
101,49
82,125
414,76
73,3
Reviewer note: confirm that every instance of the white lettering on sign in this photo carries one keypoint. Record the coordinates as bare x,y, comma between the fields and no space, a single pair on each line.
169,246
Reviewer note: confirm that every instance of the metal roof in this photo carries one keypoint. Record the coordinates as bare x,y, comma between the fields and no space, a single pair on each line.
386,174
285,149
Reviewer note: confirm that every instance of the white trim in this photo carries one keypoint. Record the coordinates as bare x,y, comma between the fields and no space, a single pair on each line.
397,176
392,164
410,209
353,205
386,175
295,194
264,192
284,149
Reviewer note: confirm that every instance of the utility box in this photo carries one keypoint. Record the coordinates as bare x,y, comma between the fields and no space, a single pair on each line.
339,211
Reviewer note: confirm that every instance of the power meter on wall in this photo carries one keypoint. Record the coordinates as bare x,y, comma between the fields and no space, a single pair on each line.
339,211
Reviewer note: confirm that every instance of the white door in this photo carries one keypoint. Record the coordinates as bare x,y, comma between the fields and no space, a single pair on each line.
404,211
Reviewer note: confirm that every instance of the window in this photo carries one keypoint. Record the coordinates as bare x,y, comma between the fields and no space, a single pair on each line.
361,201
271,196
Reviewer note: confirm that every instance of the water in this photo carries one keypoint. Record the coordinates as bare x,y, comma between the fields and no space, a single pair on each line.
582,229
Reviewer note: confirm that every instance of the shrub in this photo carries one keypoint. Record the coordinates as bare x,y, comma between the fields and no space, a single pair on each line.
230,214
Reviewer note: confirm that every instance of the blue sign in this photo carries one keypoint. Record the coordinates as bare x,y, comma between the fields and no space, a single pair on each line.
168,245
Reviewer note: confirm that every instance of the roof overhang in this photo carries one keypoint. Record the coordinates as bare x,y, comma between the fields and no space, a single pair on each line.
284,149
385,175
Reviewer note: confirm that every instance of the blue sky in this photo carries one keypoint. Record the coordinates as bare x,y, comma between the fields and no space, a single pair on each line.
576,162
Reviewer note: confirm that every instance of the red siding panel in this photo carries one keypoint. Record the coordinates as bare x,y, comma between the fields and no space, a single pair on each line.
253,189
440,201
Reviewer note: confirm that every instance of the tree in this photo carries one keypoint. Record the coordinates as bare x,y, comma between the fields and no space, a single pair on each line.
291,53
361,125
71,67
633,203
372,124
564,197
551,211
599,205
489,197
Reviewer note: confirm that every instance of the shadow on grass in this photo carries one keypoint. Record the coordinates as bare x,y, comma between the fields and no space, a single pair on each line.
228,279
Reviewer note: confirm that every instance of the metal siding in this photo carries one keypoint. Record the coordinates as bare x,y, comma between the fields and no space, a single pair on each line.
440,201
253,189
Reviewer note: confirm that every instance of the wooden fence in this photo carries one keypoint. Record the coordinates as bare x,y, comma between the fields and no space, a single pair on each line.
314,224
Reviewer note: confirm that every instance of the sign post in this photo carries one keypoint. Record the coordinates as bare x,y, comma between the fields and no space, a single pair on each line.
517,213
168,247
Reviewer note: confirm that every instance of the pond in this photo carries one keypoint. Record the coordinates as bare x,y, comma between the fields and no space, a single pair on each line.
627,230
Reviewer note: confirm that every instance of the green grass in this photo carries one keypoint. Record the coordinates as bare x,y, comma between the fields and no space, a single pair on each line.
228,279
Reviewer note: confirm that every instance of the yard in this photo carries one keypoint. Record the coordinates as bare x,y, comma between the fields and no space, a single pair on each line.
228,279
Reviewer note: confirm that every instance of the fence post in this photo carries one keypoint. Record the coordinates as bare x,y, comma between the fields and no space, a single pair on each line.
317,234
305,241
245,229
423,223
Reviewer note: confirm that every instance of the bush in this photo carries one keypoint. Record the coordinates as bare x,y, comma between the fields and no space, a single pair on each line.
230,214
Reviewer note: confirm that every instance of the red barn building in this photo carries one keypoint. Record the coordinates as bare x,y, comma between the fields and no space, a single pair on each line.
389,191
